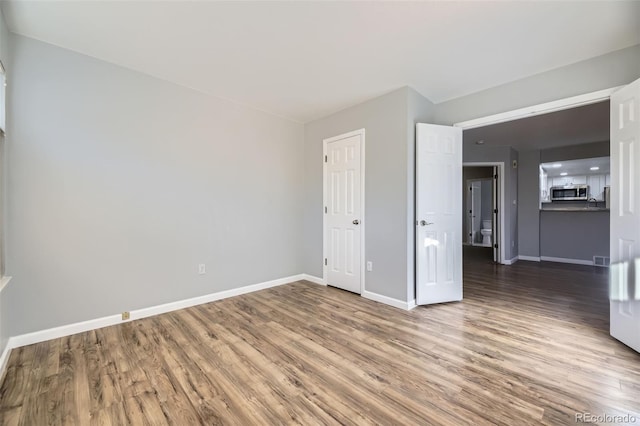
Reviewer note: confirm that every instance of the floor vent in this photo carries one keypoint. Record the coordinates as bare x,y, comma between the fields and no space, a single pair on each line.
602,261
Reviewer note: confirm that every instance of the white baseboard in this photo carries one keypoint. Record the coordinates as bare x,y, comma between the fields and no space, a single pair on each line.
314,279
3,282
529,258
67,330
4,359
565,260
510,261
396,303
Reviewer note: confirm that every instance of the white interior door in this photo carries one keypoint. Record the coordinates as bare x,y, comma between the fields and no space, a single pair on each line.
625,214
343,211
438,214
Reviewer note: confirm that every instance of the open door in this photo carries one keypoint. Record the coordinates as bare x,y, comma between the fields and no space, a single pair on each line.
625,215
494,216
438,214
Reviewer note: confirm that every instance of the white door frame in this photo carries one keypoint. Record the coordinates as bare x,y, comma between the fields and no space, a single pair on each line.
325,142
465,203
501,177
470,182
532,111
545,108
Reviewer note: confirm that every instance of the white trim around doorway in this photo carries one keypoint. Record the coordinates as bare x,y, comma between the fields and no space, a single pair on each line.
545,108
531,111
464,202
501,204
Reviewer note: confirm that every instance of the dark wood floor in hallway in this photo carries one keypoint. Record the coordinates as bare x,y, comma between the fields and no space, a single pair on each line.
528,345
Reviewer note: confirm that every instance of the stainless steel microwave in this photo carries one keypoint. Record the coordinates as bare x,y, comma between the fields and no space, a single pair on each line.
570,193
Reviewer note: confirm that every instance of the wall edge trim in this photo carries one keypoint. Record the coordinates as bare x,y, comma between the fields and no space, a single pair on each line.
396,303
529,258
566,260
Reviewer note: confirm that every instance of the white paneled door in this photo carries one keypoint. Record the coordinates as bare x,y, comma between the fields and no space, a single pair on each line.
625,215
438,214
343,211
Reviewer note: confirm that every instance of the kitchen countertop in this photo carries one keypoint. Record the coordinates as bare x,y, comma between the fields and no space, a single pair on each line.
574,209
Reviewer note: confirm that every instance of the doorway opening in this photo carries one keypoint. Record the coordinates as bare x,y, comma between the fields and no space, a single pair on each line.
482,218
479,206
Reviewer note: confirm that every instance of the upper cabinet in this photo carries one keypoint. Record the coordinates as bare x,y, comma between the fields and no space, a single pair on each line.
593,172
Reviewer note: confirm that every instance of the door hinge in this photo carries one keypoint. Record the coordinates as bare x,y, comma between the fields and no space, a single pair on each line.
495,176
325,209
495,246
470,188
495,210
325,158
325,262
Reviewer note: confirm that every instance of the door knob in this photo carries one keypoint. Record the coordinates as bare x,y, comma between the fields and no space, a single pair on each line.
425,223
356,222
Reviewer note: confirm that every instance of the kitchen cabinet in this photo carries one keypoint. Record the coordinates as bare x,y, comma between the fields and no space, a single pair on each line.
569,180
596,184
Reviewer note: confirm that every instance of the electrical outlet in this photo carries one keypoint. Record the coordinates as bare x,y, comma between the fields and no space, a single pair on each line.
202,269
369,266
126,316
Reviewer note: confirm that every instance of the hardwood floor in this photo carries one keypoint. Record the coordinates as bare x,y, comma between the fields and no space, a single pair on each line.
528,345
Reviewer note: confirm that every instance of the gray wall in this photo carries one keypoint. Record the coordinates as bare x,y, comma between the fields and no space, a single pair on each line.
574,235
389,123
4,301
386,188
575,152
470,173
121,184
602,72
481,154
529,209
513,238
606,71
530,230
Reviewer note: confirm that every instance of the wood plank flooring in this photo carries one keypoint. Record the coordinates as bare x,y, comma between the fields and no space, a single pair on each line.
528,345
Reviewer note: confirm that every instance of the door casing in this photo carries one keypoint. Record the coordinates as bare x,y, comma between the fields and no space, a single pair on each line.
500,166
469,197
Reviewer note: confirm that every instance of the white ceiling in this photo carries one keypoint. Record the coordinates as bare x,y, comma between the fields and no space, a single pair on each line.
304,60
578,167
